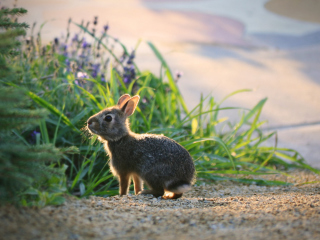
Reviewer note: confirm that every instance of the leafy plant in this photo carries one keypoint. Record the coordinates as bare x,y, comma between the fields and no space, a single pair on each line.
23,161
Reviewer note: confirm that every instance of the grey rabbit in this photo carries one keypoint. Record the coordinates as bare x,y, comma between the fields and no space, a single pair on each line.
163,164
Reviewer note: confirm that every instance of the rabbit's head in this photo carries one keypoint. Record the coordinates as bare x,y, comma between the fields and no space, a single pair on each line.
111,124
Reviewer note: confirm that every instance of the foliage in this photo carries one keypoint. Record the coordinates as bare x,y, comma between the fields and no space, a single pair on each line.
23,162
74,78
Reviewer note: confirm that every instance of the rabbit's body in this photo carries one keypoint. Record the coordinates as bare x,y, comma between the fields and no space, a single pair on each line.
160,162
157,166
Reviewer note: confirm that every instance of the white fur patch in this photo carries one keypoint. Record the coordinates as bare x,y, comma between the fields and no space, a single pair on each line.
182,189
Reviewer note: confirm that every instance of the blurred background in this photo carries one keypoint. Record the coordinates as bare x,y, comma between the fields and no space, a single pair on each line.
219,46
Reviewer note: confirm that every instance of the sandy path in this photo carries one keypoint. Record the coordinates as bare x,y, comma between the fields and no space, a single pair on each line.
222,211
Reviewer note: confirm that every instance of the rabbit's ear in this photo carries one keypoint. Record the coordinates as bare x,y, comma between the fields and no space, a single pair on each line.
123,100
130,106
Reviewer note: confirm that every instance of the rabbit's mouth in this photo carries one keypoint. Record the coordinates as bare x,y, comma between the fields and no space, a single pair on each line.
93,131
91,127
102,136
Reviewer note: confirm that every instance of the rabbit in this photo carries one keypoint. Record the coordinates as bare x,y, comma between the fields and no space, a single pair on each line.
163,164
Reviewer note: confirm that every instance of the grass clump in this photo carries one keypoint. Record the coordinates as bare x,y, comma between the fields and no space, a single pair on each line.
74,78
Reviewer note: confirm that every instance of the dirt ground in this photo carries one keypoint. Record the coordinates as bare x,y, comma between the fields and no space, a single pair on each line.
223,210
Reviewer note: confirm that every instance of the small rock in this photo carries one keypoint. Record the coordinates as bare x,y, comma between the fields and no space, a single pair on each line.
192,223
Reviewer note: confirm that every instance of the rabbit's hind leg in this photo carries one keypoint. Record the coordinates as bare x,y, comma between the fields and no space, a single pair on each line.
154,183
138,184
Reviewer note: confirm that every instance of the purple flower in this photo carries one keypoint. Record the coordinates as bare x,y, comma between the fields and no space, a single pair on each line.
132,72
33,136
95,20
96,67
126,79
129,74
123,57
82,75
82,55
131,57
56,41
106,27
64,48
94,74
67,61
84,44
179,74
103,78
75,38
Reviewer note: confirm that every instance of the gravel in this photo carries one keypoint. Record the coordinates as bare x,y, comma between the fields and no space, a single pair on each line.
225,210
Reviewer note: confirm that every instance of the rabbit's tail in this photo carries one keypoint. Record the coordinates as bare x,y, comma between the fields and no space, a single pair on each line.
177,187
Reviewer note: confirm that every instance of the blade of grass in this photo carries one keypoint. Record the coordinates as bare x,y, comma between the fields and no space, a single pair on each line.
52,109
91,96
218,140
56,132
44,132
81,173
40,101
20,137
172,83
236,172
304,165
113,84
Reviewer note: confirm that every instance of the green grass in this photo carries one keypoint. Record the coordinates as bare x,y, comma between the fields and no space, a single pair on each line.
221,150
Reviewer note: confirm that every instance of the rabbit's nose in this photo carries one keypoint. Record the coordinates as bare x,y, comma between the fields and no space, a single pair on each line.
91,121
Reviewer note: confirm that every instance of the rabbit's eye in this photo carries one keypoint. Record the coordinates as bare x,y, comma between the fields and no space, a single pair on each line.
108,118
